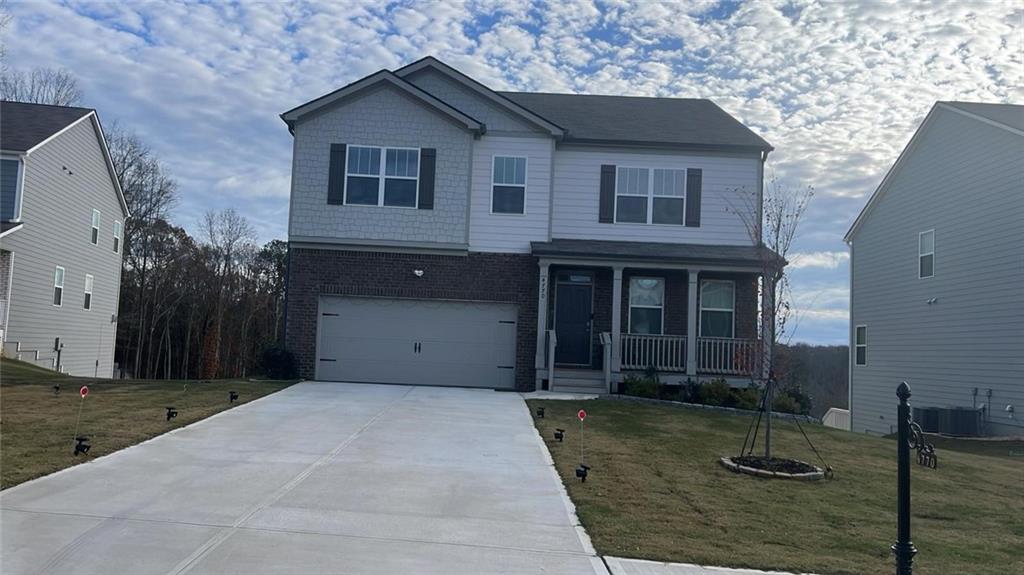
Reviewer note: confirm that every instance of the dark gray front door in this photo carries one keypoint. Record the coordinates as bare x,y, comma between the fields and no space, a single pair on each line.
573,314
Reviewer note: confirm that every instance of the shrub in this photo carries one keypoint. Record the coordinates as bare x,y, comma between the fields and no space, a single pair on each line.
715,393
276,362
640,386
746,398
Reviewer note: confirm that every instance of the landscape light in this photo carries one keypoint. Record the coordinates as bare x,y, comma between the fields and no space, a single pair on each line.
171,413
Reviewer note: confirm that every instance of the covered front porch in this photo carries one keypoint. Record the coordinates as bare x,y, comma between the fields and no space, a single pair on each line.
606,309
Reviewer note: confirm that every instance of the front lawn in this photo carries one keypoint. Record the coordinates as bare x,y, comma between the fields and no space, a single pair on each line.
37,428
656,491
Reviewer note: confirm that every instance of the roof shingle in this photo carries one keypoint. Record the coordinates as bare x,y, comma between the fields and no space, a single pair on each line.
24,125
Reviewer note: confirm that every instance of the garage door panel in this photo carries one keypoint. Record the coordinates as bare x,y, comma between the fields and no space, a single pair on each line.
432,342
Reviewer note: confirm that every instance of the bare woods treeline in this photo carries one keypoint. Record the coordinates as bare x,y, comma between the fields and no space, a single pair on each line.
191,307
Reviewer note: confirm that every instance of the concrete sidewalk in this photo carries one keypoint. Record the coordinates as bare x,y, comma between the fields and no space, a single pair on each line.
622,566
318,478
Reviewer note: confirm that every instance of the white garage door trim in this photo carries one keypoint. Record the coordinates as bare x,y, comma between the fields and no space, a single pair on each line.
416,341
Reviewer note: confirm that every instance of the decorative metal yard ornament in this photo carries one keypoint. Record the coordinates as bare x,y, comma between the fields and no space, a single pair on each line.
232,396
540,413
908,436
171,413
559,435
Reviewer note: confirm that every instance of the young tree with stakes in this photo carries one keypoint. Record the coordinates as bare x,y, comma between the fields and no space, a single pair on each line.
772,223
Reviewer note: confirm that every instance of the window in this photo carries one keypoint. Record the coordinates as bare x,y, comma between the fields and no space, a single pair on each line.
646,305
861,345
508,185
88,292
645,196
382,176
9,188
926,254
58,286
95,226
717,305
117,237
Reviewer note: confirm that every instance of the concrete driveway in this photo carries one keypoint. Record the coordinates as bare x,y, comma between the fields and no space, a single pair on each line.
318,478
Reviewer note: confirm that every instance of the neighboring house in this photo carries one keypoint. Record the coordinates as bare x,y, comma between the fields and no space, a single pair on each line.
63,217
937,278
444,233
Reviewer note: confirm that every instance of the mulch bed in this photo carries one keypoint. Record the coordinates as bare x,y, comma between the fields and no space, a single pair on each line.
775,464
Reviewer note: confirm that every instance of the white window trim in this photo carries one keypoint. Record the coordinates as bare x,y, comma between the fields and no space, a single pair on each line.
88,290
700,312
921,254
19,187
97,222
526,179
382,177
629,314
650,196
63,274
856,345
119,234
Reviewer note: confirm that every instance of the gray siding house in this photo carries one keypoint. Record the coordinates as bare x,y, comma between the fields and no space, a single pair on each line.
62,220
937,277
444,233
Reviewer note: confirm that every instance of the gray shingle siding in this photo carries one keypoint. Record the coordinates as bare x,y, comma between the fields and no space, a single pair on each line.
465,100
57,209
965,180
381,117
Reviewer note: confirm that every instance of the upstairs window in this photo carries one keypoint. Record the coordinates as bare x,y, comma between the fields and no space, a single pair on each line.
717,308
926,254
117,237
382,176
88,293
508,185
95,227
646,305
861,345
58,286
9,188
650,196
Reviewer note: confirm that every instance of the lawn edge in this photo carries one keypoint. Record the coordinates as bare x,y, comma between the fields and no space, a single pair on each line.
145,441
570,507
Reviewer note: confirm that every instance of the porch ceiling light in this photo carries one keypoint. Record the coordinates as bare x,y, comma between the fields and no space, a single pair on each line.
418,273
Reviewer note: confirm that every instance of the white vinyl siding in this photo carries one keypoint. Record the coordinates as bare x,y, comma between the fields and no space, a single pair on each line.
728,185
491,232
58,286
95,237
386,177
87,302
963,178
926,254
646,305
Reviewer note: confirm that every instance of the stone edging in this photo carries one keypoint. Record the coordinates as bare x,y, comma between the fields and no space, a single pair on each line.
718,408
810,476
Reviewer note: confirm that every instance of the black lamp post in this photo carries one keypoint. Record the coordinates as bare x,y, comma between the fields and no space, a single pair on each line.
906,437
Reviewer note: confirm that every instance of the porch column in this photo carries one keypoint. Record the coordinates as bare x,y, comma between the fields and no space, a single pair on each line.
542,317
616,319
692,317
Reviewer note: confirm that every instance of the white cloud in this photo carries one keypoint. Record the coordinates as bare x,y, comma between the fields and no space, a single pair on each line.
826,260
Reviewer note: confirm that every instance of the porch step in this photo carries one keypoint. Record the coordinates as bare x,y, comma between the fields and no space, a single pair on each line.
569,384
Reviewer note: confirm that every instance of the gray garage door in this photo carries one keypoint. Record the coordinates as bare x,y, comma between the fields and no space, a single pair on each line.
425,342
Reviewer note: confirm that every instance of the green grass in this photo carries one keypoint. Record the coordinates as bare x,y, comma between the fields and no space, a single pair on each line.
37,428
656,491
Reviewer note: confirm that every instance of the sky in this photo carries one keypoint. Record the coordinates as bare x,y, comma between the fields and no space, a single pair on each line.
838,88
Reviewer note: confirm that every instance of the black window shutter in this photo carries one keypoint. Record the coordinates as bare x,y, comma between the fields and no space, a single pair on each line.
428,158
606,211
336,180
693,185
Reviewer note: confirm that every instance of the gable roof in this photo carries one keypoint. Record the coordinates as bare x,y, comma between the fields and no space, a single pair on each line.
673,122
494,97
24,126
382,77
1009,117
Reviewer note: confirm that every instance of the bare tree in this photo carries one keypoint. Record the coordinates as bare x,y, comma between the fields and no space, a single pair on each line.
53,86
772,223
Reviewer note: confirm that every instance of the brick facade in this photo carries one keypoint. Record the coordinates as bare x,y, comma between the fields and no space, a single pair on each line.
504,278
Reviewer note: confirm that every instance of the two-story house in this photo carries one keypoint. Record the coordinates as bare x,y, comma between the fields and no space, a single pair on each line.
937,278
62,221
444,233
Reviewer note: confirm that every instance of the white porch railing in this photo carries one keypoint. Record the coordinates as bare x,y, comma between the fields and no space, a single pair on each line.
727,356
662,352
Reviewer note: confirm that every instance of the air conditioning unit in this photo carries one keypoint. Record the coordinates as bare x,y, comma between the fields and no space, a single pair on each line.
927,418
956,421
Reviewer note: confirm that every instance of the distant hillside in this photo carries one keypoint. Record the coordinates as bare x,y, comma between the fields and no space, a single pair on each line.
821,372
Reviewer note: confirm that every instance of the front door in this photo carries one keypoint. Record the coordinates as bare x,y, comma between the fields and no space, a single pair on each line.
573,316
